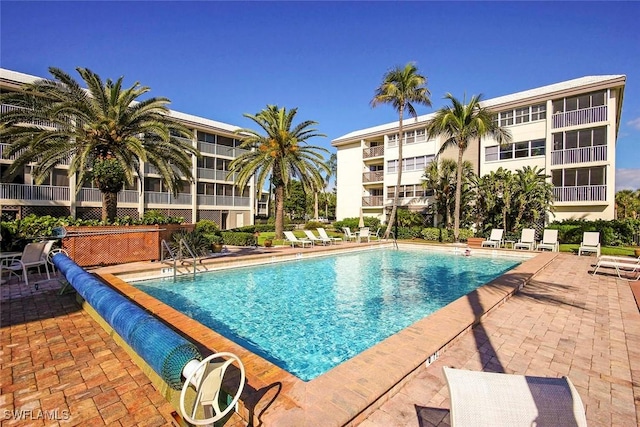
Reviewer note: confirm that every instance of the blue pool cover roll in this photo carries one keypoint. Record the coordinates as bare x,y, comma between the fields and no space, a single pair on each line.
163,349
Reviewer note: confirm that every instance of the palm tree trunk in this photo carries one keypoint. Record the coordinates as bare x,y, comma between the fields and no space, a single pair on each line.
394,208
456,210
315,205
109,206
279,202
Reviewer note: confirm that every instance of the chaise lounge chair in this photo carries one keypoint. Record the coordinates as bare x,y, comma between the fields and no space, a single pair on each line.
348,235
495,239
527,239
491,399
590,243
627,264
293,240
549,240
364,234
323,234
315,239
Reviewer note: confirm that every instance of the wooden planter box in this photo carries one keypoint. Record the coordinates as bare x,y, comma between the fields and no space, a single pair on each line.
475,242
109,245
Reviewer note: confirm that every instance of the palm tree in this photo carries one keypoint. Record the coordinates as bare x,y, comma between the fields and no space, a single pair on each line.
440,177
460,124
279,155
627,204
332,166
103,131
402,88
534,195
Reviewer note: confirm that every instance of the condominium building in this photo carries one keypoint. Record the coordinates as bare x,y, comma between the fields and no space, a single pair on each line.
569,129
212,196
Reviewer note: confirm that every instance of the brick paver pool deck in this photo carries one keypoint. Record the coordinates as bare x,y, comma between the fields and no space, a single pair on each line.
56,361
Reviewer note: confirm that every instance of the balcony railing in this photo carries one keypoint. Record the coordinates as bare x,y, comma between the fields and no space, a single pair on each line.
580,117
33,192
94,195
219,175
372,200
579,155
5,108
221,150
374,176
583,193
376,151
166,198
210,200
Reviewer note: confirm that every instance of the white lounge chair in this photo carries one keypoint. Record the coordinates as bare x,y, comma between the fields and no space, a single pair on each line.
495,239
590,243
364,234
293,240
32,256
501,400
549,240
527,239
620,264
348,235
315,239
323,234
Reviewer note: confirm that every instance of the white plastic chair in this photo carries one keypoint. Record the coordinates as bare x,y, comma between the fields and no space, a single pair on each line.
323,234
527,239
32,257
316,239
590,243
549,240
348,235
293,240
364,234
628,264
495,240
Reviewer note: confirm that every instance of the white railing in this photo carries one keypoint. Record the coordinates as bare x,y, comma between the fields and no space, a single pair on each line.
94,195
373,176
223,150
5,108
14,156
372,200
166,198
376,151
34,192
580,117
583,193
215,174
579,155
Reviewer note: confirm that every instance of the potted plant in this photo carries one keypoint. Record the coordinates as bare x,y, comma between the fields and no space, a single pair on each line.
216,242
268,243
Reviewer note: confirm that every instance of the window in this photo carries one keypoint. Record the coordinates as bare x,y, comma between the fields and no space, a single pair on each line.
580,138
206,137
409,164
392,166
580,102
153,184
538,112
393,140
206,188
207,162
579,177
491,153
522,115
506,118
515,150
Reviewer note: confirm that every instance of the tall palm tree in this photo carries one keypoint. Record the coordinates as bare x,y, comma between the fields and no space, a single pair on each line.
332,167
460,124
440,177
402,88
104,131
277,153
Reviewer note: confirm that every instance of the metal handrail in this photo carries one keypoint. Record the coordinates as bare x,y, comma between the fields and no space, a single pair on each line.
164,245
184,244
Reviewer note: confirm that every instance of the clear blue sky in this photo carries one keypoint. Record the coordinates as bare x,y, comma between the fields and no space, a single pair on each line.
221,59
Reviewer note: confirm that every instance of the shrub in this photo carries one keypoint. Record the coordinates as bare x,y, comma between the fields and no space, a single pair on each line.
238,238
431,234
465,233
206,226
369,221
312,225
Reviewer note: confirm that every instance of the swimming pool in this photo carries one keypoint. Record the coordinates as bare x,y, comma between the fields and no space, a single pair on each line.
310,315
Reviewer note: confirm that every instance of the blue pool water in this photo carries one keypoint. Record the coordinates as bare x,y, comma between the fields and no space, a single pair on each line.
308,316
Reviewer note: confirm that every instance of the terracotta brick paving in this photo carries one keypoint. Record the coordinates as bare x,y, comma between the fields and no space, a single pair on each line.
565,322
59,367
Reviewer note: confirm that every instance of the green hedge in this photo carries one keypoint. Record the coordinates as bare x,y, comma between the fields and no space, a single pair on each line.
444,235
612,233
354,223
238,238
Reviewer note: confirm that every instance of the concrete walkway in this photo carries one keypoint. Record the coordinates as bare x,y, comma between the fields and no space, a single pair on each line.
566,322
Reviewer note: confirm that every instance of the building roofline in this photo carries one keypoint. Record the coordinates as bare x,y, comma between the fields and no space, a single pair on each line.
526,96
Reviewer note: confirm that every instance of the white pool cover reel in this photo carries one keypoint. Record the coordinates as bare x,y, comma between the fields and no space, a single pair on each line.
206,378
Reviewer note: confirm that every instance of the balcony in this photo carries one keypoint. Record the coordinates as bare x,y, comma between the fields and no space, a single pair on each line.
368,201
596,153
376,151
219,175
583,193
94,195
34,192
166,198
5,108
211,200
374,176
580,117
220,150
